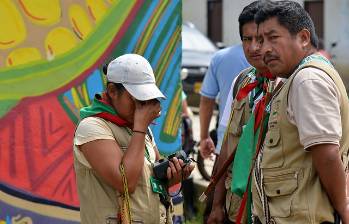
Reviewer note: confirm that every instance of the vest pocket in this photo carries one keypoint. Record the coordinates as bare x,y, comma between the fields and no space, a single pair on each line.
135,221
235,127
279,189
273,155
113,219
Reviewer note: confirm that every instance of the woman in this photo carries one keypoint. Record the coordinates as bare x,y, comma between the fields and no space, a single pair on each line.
114,150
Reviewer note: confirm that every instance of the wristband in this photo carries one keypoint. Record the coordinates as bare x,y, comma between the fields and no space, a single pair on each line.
142,132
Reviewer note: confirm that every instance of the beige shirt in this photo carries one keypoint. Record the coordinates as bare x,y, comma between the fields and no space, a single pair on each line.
313,106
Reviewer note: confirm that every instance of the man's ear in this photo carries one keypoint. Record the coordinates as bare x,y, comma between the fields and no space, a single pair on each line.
304,38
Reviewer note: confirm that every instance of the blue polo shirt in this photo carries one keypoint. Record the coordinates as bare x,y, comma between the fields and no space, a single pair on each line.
225,65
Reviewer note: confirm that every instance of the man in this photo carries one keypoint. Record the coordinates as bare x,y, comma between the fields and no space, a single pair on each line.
299,174
247,100
224,67
114,150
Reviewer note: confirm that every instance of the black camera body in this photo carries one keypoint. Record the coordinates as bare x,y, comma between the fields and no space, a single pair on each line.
160,167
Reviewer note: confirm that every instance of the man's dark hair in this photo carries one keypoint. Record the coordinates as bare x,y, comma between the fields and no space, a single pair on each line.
290,15
248,13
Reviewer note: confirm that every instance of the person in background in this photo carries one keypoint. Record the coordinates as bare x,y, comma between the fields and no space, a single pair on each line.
114,150
225,65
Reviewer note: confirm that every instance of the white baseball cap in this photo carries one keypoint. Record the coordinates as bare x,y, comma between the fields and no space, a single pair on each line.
135,73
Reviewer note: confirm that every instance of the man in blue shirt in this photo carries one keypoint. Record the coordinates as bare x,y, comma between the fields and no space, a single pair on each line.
225,65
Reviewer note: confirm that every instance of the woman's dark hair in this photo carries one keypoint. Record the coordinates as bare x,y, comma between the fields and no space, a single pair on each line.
248,13
105,69
119,87
290,15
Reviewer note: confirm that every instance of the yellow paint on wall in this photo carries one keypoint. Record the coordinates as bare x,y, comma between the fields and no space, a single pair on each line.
76,98
12,31
59,41
79,21
42,12
113,1
22,56
97,9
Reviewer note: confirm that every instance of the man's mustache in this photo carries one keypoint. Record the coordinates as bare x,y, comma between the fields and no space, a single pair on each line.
268,57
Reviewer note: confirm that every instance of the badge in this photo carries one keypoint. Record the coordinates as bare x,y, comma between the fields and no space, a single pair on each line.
157,186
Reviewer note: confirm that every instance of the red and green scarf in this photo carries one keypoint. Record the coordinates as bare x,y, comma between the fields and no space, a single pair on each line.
247,144
101,107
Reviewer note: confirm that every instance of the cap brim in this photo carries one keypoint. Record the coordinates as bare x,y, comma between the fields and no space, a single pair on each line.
144,91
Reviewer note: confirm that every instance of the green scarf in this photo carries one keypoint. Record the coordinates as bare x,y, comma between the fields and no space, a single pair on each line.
246,148
102,108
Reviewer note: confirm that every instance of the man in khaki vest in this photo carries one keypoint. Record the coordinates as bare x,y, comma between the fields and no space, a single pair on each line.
114,150
299,175
225,201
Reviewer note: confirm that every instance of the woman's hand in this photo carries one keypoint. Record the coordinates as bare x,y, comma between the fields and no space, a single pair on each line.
145,113
178,171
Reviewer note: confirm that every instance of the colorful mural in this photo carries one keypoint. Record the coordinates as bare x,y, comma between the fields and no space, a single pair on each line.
51,58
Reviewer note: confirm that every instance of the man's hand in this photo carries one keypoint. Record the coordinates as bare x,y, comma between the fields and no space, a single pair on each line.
216,216
206,147
206,109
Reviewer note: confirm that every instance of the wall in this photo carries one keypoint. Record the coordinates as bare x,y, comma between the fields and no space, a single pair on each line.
51,56
195,11
337,30
231,12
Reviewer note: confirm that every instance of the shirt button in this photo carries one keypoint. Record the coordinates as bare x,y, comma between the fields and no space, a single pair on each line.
278,191
162,215
271,140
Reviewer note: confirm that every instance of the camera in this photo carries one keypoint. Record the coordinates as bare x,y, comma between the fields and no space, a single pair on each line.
160,167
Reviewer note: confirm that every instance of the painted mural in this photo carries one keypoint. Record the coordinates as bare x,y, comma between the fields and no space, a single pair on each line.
51,58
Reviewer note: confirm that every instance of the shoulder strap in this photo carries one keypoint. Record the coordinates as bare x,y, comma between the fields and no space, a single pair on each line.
243,74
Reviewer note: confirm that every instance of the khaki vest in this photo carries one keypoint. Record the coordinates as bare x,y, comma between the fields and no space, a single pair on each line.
240,113
100,203
292,187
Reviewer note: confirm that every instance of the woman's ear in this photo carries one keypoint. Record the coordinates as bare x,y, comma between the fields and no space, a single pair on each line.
111,90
